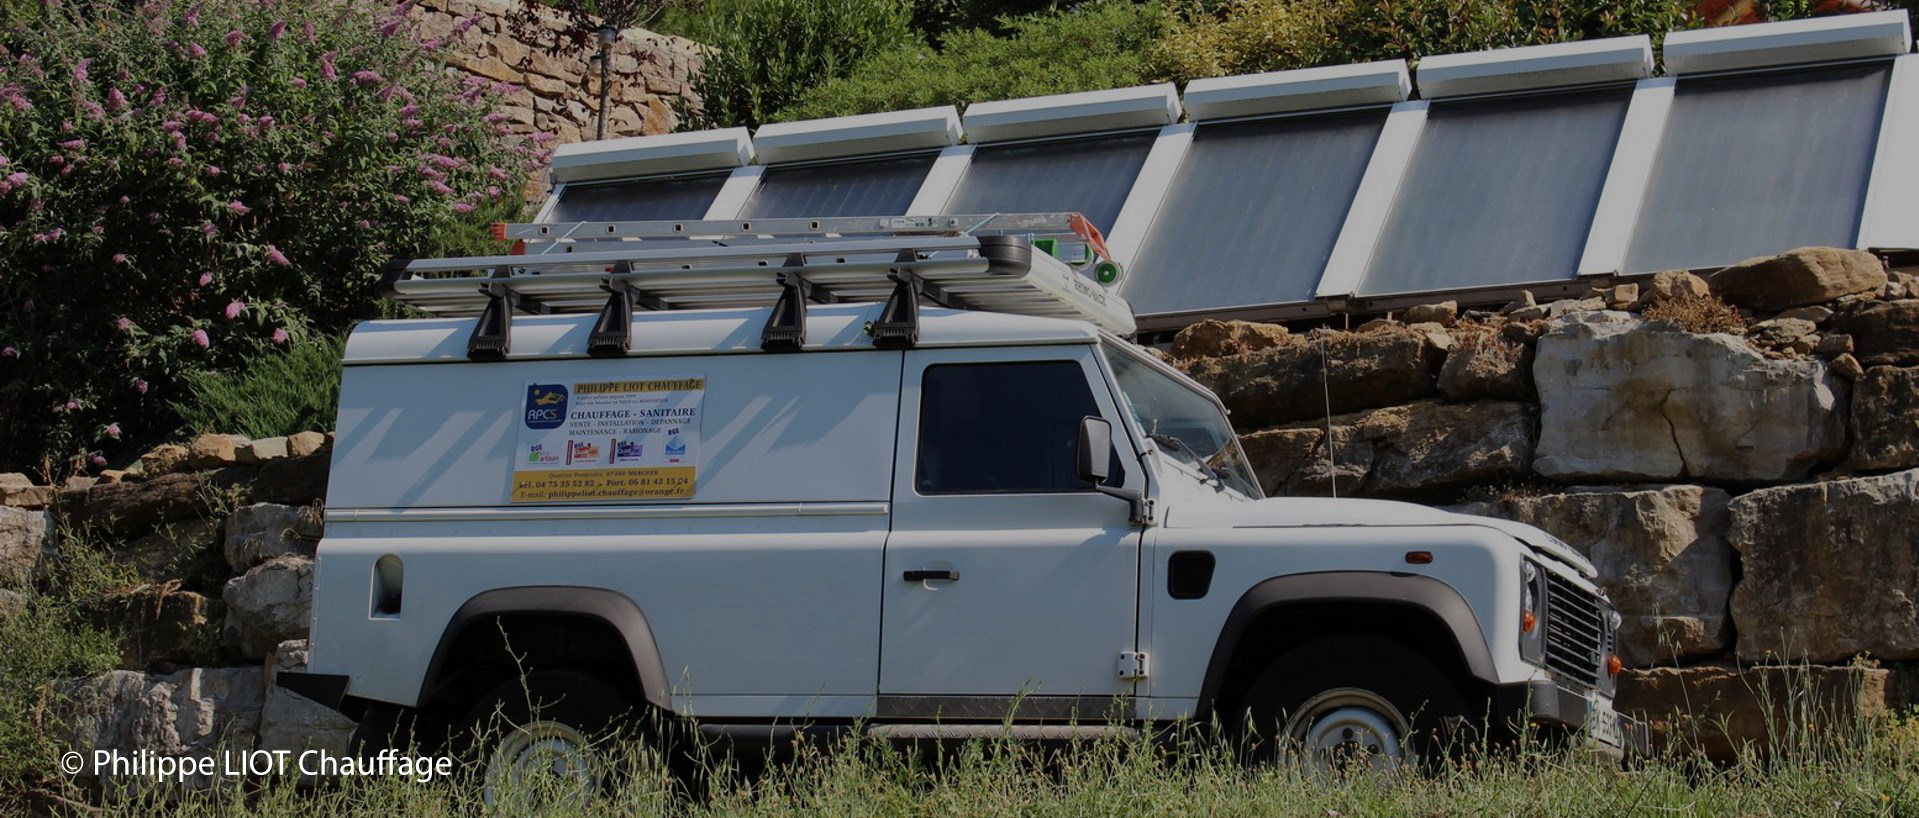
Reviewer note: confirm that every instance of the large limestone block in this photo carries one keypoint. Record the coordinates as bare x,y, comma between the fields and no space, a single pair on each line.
262,531
268,605
1630,400
1357,371
1403,450
1487,366
24,536
188,551
290,721
260,451
1831,569
156,625
1798,278
1662,558
195,712
1885,419
1213,339
1883,333
1278,454
293,481
301,444
1723,712
131,509
214,451
18,490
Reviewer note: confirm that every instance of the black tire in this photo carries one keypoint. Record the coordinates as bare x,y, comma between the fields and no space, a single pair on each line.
554,722
1330,702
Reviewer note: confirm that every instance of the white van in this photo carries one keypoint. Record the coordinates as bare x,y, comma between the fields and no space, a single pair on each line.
923,521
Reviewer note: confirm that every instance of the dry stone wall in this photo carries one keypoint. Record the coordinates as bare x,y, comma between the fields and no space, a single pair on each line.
559,94
220,536
1738,455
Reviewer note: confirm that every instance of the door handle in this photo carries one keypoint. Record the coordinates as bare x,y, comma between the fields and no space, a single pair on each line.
925,574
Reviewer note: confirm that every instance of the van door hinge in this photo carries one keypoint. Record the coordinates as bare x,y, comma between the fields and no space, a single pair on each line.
1132,665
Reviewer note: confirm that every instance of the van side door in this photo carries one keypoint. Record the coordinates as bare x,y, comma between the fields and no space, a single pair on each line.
1005,576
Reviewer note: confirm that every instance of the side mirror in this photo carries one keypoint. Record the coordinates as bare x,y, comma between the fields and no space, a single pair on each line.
1095,450
1095,464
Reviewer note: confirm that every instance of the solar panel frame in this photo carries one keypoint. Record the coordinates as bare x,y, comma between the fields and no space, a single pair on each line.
1757,163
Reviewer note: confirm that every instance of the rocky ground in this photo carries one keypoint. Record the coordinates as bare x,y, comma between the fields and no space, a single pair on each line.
1738,454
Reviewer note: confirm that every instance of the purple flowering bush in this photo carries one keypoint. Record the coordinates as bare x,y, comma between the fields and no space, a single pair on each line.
184,187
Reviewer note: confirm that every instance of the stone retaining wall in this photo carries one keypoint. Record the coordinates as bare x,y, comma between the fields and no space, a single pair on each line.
1748,497
559,94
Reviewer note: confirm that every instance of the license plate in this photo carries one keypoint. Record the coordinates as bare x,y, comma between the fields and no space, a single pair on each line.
1604,724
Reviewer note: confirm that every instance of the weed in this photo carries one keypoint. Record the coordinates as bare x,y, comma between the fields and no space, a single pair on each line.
1698,313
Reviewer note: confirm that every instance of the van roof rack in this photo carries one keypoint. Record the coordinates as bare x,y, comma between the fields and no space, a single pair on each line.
982,262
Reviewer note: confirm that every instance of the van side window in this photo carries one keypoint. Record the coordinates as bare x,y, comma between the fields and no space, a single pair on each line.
1003,428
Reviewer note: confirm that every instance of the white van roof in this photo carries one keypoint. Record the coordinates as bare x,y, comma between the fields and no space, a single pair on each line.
831,327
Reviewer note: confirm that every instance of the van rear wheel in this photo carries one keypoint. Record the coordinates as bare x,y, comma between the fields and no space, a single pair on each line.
1350,703
545,737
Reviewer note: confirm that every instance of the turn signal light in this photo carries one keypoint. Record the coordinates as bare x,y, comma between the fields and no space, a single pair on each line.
1527,621
1419,557
1614,665
499,231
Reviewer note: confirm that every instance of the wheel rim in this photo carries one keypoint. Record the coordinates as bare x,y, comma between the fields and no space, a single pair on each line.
1349,729
545,757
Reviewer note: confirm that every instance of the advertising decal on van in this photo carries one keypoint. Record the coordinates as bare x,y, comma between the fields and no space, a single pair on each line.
609,440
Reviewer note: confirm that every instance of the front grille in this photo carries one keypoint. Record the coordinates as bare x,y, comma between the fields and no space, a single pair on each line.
1575,632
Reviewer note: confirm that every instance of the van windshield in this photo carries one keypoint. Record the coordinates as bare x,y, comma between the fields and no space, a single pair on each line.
1182,422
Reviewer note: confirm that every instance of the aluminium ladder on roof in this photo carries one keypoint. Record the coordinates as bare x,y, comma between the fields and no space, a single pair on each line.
983,262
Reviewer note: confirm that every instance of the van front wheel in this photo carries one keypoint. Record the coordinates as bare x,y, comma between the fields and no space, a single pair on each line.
1347,702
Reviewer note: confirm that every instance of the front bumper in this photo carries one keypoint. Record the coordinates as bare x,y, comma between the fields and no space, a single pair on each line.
1587,716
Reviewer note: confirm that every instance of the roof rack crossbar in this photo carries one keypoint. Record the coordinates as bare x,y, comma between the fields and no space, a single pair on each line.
492,336
785,329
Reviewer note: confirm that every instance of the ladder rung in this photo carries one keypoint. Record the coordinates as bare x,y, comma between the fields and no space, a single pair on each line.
947,225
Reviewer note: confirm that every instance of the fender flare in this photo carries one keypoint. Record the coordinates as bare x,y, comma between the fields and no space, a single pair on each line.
1403,590
611,607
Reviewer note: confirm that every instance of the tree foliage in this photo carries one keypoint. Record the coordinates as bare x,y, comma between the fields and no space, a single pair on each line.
766,53
1246,36
1094,46
185,186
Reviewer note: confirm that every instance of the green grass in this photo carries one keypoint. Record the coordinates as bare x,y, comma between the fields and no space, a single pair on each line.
1864,774
1825,765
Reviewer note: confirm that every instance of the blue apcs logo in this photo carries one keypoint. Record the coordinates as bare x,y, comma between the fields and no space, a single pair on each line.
545,406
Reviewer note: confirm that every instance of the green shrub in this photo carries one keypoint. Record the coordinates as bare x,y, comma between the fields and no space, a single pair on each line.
275,392
1244,36
768,52
934,19
185,185
1095,46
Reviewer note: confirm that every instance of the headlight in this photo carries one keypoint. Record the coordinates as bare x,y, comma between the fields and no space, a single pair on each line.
1532,614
